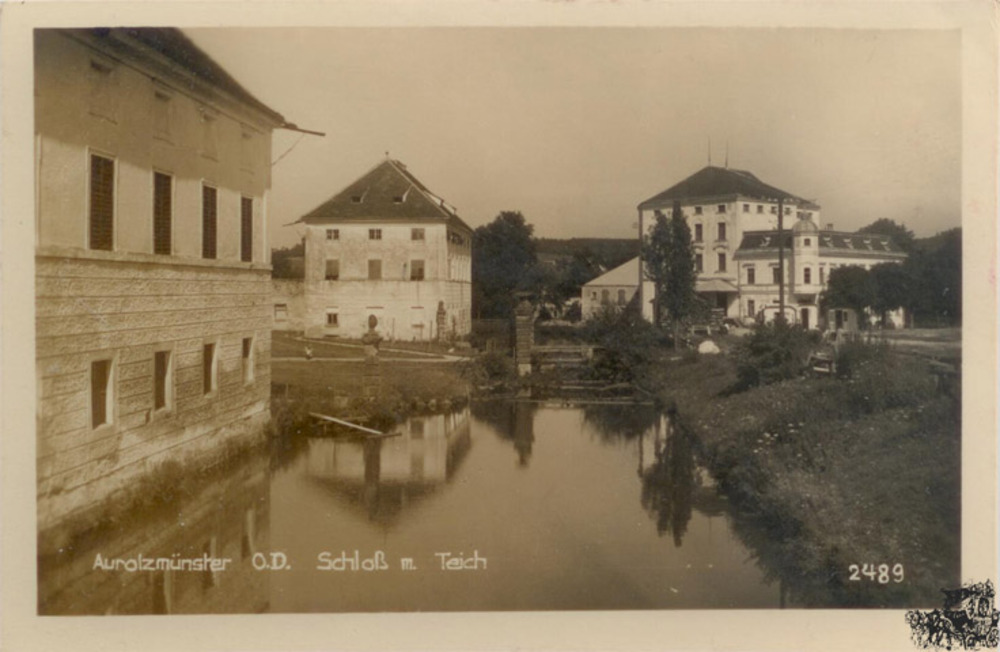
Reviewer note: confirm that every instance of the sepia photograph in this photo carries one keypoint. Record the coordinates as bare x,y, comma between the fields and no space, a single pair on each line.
359,318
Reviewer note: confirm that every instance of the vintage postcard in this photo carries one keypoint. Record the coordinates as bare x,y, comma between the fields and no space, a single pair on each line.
460,325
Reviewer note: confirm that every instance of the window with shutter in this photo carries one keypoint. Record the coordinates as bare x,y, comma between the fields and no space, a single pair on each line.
246,229
102,202
209,219
162,213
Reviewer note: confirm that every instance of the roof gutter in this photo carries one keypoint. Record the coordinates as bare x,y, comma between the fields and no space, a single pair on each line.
292,127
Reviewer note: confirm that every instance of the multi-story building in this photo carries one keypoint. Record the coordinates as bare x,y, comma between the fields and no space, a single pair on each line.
720,205
153,311
810,254
386,246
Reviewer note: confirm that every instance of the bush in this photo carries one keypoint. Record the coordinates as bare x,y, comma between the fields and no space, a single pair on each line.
626,342
773,352
878,378
496,366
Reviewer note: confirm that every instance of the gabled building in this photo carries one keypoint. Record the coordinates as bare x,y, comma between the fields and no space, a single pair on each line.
153,311
613,289
810,255
386,246
720,205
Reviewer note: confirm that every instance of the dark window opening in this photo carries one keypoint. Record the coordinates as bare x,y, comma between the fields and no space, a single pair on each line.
100,392
161,378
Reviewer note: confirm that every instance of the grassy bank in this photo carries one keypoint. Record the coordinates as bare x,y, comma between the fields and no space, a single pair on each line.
830,472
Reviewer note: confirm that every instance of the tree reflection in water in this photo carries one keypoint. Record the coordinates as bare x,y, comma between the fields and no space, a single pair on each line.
620,422
513,421
668,483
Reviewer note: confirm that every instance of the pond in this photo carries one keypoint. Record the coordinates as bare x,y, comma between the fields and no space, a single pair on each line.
502,505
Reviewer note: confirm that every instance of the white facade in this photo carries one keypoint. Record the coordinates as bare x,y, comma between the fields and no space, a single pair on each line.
385,247
809,256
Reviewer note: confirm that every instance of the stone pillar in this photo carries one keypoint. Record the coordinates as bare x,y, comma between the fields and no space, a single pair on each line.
371,378
524,335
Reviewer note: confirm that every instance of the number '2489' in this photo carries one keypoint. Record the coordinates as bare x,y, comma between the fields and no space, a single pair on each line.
881,573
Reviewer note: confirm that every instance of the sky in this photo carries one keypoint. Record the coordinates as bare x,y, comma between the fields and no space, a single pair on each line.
575,126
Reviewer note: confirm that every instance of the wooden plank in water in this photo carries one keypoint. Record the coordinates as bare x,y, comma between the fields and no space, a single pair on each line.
324,417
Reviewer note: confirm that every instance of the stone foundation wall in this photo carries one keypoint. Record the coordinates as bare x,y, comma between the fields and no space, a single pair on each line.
124,308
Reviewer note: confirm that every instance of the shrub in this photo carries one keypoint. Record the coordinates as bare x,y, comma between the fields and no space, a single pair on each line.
772,352
879,378
496,366
626,342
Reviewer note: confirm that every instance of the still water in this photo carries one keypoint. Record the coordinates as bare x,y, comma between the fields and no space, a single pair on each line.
501,506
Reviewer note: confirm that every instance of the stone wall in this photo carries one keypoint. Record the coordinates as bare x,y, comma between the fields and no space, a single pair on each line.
125,307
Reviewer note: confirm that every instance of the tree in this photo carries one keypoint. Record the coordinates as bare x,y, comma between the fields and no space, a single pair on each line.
281,266
503,259
935,271
669,261
890,286
849,287
902,236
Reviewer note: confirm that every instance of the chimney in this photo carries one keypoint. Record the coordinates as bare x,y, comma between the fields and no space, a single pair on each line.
829,226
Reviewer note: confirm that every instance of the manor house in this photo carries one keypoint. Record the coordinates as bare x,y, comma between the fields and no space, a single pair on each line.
387,247
734,218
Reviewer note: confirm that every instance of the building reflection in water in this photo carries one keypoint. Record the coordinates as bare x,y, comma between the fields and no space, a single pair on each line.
229,517
384,476
513,421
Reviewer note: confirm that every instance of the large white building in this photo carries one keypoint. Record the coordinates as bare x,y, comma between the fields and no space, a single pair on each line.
734,218
810,255
152,265
720,205
386,246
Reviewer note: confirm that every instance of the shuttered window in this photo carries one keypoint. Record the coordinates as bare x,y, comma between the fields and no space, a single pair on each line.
209,221
102,202
246,229
162,212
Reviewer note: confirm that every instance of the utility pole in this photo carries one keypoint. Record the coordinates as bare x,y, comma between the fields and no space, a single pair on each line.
640,265
781,259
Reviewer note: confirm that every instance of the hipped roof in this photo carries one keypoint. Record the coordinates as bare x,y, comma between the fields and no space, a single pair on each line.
387,192
711,182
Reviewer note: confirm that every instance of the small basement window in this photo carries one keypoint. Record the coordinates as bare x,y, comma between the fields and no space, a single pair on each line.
101,398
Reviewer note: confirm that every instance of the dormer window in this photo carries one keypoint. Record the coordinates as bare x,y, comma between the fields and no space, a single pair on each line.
162,109
765,241
827,241
209,137
103,95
